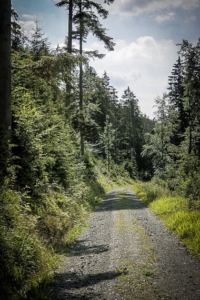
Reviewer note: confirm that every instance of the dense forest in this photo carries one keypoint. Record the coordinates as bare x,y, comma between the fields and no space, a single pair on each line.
70,132
174,144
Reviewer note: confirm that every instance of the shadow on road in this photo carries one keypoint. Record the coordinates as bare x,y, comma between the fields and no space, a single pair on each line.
109,204
81,248
67,283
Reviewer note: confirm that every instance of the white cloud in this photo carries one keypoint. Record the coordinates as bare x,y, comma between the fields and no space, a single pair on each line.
144,65
168,17
138,7
190,19
28,27
27,22
28,17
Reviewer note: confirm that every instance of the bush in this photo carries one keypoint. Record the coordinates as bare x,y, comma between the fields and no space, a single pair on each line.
25,261
150,191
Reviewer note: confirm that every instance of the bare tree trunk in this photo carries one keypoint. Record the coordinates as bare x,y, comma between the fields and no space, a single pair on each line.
81,79
70,26
5,85
69,49
5,68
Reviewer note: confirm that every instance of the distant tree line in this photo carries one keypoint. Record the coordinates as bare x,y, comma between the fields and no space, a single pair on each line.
174,144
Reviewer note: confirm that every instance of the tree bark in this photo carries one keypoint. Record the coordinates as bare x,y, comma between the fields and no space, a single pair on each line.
69,50
81,79
70,27
5,68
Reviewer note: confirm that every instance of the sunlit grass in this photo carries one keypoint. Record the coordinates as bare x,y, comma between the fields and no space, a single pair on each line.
148,192
187,225
176,213
168,205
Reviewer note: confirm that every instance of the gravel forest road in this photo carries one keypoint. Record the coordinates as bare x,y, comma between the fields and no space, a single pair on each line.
127,253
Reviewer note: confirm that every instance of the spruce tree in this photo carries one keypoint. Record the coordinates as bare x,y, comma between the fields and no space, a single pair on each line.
176,102
86,21
39,44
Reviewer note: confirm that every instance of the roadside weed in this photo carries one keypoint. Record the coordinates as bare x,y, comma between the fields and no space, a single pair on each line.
176,212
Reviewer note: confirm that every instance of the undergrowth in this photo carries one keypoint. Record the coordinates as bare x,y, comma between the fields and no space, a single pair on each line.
37,229
176,212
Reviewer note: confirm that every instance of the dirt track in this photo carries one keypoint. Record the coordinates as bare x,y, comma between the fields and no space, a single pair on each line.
127,253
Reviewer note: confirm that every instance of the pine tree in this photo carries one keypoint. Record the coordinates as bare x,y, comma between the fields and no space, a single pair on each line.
176,102
17,36
107,139
39,45
157,143
131,119
86,21
191,58
69,5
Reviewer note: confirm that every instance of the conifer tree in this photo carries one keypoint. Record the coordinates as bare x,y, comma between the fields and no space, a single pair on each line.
17,37
157,143
39,44
107,140
86,21
177,112
131,117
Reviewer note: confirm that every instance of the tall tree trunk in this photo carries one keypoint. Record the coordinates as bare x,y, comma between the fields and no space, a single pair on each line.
69,50
5,67
70,26
5,85
81,80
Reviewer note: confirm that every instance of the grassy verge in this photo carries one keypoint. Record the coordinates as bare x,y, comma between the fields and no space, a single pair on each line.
138,273
175,211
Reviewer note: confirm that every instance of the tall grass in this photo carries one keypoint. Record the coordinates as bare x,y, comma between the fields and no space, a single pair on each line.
150,191
25,260
175,211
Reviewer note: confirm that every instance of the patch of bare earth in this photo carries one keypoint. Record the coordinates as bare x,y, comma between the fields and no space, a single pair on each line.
127,253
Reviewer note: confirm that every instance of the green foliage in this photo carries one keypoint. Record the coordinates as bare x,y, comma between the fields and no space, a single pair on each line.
168,205
47,189
189,177
187,225
5,157
174,145
150,191
107,139
24,259
131,168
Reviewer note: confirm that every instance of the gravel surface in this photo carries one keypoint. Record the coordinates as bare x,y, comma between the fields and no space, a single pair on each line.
127,253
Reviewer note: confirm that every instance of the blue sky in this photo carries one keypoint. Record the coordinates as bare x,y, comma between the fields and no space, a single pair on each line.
145,31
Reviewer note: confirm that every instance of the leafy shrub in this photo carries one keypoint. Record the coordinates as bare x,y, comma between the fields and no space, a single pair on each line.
148,191
25,261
